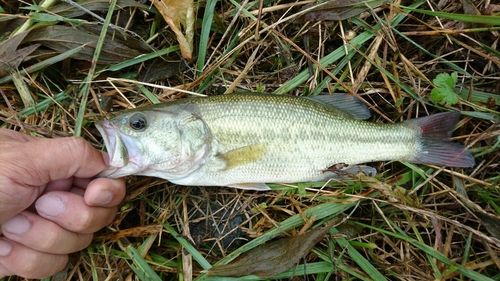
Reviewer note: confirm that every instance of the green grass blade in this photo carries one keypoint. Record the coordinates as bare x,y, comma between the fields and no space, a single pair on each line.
489,20
85,86
141,59
44,104
340,52
187,246
206,26
92,262
478,96
431,251
444,61
140,266
321,211
358,258
151,97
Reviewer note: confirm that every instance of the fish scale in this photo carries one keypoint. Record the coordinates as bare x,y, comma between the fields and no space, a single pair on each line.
247,140
305,142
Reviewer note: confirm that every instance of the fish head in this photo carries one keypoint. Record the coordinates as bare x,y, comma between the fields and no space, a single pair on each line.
153,143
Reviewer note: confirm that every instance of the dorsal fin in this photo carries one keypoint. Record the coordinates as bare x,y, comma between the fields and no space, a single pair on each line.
350,105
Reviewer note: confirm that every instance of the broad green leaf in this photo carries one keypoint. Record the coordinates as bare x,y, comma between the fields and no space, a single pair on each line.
444,91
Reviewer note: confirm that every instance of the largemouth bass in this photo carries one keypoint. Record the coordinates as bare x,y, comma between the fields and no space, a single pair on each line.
247,140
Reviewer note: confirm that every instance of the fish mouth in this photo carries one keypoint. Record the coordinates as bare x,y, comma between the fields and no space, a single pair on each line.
117,150
108,133
123,150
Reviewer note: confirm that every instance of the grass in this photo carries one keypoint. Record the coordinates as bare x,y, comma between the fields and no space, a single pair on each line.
411,222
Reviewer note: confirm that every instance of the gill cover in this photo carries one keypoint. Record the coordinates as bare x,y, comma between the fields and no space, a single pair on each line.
154,143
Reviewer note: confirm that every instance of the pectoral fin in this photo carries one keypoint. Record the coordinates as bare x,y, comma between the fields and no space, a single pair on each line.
243,155
251,186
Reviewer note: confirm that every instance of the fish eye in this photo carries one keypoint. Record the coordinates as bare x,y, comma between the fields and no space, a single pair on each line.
138,121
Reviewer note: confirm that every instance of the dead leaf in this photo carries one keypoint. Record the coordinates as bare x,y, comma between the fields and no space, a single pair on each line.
119,36
70,11
63,38
339,9
490,221
10,56
158,69
179,15
349,229
394,193
469,7
11,44
273,258
11,61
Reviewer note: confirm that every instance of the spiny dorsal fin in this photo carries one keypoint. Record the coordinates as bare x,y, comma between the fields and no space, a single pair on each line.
350,105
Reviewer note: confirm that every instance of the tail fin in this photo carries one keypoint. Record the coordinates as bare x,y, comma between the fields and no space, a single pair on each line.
436,148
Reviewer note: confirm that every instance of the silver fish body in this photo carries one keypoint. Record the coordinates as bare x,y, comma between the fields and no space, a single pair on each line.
246,140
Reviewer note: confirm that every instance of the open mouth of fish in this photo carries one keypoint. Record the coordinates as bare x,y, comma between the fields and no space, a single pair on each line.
120,149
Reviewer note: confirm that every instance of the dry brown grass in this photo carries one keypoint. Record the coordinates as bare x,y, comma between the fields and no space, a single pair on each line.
411,223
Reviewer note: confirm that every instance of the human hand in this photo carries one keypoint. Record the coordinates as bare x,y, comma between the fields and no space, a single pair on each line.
50,205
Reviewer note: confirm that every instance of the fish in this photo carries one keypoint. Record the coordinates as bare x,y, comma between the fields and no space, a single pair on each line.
248,140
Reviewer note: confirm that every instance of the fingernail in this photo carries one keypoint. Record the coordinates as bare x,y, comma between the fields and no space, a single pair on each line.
5,248
17,225
50,205
102,198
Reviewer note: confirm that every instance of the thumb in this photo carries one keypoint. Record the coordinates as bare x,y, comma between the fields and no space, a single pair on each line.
27,167
46,160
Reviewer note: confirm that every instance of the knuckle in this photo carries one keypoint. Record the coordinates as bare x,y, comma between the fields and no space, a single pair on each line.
91,222
51,240
76,142
75,145
41,265
64,242
30,266
86,222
